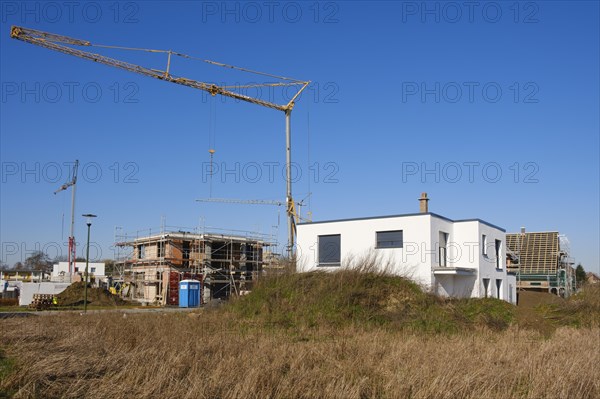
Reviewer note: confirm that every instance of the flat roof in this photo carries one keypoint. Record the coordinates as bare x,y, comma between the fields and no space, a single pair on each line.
407,215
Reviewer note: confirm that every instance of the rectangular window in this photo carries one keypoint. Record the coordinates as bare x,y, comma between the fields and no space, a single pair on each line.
499,288
498,248
92,270
185,250
160,250
443,261
484,245
443,257
141,252
185,253
389,239
329,250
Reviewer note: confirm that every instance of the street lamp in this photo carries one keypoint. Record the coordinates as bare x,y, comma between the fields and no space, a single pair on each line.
89,217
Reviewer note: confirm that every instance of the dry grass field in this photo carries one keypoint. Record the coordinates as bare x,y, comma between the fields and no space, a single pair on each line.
248,349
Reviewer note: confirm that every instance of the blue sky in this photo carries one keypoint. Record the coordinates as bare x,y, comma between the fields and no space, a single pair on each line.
492,110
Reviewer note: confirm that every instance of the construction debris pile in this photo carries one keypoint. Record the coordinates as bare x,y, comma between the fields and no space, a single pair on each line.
74,296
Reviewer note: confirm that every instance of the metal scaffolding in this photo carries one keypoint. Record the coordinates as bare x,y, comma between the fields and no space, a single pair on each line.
541,261
226,263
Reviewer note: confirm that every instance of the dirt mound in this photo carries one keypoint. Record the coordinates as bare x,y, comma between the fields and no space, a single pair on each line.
74,296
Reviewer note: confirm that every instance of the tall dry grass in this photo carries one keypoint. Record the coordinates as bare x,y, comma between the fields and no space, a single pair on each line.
213,354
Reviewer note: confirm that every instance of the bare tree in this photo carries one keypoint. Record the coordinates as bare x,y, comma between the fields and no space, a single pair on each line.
38,261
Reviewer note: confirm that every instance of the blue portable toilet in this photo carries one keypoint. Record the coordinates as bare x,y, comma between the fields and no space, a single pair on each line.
189,293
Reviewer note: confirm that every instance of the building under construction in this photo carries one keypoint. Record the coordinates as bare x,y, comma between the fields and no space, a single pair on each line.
541,261
151,266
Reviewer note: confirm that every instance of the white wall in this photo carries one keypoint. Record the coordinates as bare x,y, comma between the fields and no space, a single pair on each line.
488,269
420,254
26,290
358,239
94,268
511,288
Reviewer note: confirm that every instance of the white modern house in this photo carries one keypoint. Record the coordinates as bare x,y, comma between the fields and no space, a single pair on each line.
454,258
60,271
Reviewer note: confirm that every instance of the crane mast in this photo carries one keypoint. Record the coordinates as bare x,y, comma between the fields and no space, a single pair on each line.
71,256
58,43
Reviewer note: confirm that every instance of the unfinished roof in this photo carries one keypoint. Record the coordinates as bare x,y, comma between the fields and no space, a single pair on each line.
187,236
538,252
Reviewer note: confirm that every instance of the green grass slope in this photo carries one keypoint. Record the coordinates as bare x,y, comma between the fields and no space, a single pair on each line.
349,297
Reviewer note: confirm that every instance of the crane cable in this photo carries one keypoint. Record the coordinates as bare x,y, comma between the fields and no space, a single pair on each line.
212,123
309,213
220,64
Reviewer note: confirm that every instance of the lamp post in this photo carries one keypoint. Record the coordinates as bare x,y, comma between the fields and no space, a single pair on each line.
89,217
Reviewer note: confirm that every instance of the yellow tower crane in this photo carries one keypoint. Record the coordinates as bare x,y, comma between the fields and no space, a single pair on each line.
296,211
61,44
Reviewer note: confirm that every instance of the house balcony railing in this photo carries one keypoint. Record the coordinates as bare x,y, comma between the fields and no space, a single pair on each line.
454,271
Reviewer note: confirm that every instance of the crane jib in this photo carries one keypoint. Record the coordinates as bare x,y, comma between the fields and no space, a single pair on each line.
53,42
57,43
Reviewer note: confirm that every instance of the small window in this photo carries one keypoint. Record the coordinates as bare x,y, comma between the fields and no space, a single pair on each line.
329,250
484,245
389,239
92,270
498,248
185,250
443,257
141,252
499,288
443,260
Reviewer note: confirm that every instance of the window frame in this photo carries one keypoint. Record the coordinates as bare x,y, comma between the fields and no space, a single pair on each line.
484,245
319,251
377,240
443,249
498,253
499,287
160,249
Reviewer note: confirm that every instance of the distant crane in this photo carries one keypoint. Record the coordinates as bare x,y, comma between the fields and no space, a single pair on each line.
51,41
73,183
